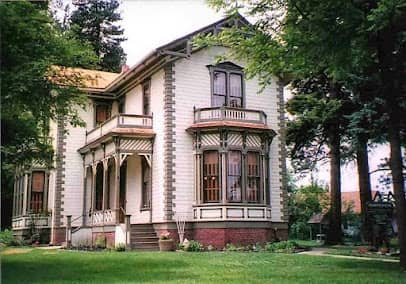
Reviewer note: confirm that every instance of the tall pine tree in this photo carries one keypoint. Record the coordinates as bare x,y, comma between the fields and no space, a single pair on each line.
96,21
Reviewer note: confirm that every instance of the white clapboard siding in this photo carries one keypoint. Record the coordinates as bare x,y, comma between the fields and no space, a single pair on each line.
192,81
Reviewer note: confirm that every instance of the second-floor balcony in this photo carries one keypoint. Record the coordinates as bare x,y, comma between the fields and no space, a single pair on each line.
218,115
121,123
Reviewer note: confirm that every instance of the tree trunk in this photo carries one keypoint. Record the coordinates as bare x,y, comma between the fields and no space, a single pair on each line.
399,188
364,184
334,234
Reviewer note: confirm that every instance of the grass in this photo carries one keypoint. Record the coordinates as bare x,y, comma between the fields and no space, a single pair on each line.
57,266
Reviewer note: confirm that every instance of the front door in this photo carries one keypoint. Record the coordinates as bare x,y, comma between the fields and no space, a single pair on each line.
123,185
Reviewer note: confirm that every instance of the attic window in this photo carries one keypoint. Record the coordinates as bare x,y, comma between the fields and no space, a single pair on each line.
227,85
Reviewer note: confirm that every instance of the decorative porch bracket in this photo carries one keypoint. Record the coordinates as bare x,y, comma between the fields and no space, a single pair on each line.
148,158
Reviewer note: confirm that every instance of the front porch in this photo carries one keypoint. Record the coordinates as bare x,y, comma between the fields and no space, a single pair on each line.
117,161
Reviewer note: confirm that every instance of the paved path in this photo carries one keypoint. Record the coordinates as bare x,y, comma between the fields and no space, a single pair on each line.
322,252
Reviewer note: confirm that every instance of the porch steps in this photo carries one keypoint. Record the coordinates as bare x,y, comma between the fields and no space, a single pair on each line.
143,237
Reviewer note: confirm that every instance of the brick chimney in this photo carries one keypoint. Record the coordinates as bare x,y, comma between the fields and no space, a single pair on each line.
125,68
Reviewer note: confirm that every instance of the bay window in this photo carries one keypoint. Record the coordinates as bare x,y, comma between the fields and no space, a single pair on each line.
211,173
253,177
37,191
234,176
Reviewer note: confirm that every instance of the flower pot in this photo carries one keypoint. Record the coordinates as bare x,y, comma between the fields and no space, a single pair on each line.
166,245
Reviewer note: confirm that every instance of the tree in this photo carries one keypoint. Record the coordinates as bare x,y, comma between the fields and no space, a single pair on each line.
303,203
95,22
31,45
352,42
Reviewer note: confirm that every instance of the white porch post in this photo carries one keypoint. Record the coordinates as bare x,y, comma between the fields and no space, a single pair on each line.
93,191
105,185
25,192
117,187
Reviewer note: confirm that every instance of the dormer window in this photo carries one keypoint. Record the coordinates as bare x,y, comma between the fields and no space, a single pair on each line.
227,85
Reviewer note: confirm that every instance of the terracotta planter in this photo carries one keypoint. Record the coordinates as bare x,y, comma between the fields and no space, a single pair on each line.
166,245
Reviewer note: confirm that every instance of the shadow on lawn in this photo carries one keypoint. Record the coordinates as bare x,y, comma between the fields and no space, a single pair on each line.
71,268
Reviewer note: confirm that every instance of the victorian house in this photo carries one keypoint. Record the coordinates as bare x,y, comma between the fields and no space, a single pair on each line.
179,136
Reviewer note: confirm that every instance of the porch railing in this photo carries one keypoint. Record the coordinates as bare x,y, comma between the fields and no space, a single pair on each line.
22,222
229,113
104,217
119,121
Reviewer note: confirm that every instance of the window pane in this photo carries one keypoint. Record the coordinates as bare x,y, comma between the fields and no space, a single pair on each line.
219,83
234,176
253,177
219,101
235,85
235,102
38,180
102,113
211,189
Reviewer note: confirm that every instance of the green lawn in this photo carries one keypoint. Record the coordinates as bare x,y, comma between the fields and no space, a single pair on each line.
56,266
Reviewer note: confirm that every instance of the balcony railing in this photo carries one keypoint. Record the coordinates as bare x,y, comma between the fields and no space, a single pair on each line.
119,121
23,222
228,113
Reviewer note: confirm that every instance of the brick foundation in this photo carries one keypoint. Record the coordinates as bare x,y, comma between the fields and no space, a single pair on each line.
220,237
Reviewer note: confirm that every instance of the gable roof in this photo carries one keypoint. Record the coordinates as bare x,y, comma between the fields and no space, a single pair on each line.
180,47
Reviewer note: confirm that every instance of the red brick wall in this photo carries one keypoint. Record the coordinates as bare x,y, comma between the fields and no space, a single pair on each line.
110,238
220,237
59,236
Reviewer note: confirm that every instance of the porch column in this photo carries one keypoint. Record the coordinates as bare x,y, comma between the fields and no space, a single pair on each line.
93,191
105,185
46,188
117,187
25,191
84,215
198,177
14,196
223,176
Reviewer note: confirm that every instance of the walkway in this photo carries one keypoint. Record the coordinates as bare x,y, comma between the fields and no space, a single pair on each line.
323,252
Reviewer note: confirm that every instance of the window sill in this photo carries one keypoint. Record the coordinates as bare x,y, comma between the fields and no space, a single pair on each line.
234,204
145,209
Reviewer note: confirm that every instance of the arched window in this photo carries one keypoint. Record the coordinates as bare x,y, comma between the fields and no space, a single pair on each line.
211,180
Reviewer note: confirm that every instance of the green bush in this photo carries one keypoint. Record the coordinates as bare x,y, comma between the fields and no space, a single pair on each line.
7,238
284,247
100,242
120,247
193,246
232,247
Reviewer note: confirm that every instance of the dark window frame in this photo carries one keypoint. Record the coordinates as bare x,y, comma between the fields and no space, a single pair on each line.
229,69
109,110
205,177
146,185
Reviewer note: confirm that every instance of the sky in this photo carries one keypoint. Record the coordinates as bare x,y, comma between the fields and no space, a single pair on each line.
149,24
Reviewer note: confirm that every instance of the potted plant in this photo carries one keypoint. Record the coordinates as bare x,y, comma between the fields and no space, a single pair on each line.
165,242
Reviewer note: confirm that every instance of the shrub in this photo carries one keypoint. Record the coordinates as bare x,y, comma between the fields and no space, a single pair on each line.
232,247
100,242
7,238
120,247
285,247
193,246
